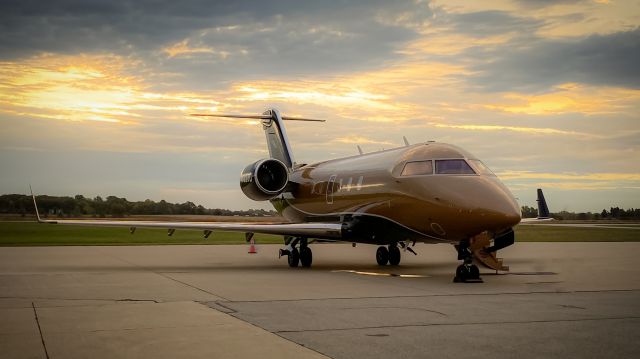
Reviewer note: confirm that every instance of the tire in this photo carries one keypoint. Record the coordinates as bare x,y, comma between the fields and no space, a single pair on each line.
394,255
474,272
462,274
382,256
294,258
306,257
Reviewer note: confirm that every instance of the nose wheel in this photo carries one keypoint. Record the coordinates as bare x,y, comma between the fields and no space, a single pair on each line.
467,272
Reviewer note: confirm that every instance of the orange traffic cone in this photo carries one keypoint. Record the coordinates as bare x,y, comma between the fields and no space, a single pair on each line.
252,247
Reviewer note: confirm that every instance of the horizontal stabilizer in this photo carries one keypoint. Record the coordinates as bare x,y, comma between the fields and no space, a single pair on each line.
256,117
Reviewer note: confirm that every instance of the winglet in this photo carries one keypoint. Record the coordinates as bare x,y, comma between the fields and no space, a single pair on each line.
406,142
35,205
359,149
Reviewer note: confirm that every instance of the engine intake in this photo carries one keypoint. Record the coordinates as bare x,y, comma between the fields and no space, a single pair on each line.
264,179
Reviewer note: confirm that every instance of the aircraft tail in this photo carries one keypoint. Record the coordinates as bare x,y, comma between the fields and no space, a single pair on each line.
277,140
543,210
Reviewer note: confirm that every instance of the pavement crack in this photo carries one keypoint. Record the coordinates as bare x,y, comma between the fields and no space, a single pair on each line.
44,345
424,325
440,295
136,300
166,276
190,285
223,308
391,307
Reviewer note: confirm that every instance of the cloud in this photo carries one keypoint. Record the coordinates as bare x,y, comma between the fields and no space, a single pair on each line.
632,177
570,98
610,60
209,43
109,79
490,22
360,140
548,3
528,130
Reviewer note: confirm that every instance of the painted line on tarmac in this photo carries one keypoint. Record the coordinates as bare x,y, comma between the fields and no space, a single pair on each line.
378,274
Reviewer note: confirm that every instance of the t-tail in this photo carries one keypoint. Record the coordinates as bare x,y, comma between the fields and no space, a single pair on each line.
277,140
543,210
274,130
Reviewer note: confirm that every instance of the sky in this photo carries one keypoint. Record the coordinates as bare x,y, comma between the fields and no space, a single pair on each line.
95,96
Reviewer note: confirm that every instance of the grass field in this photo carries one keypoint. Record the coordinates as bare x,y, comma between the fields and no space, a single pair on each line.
538,233
35,234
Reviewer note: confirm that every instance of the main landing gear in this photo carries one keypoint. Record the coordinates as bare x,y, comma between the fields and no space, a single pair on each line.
303,256
390,255
467,272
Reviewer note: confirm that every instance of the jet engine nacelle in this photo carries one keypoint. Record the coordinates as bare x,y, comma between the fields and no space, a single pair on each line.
264,179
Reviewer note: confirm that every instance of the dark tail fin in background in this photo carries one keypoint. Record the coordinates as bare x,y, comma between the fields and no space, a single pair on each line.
543,210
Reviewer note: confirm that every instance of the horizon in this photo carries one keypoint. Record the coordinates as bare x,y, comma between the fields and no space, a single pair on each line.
95,97
103,197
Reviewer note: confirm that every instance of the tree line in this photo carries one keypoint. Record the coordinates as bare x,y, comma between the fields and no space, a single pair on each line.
612,213
64,206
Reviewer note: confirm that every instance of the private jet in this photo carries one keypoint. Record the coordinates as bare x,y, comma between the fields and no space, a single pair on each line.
426,192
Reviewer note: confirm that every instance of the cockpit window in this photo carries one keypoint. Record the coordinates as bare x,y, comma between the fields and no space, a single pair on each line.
453,167
481,168
417,168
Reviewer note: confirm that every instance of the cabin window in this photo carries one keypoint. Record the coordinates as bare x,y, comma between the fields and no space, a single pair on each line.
481,168
417,168
453,167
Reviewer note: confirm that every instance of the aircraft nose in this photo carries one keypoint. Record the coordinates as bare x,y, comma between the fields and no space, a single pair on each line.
505,208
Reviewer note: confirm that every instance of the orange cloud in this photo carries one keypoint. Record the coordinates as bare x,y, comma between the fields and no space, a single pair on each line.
511,175
360,140
570,98
86,88
530,130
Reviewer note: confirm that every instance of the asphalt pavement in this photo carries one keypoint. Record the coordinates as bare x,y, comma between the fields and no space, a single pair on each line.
559,300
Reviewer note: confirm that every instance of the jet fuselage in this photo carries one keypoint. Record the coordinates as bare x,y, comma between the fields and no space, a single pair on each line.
381,202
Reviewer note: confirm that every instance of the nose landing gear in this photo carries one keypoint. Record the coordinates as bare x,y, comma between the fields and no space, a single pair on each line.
467,272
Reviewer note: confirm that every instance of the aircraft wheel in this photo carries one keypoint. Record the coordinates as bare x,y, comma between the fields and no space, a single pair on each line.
394,255
294,258
474,272
462,273
382,256
306,256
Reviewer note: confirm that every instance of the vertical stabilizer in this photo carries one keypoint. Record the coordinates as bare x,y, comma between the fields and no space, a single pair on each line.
277,140
543,210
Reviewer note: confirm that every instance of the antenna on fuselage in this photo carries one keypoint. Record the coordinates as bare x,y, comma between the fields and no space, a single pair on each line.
406,142
360,149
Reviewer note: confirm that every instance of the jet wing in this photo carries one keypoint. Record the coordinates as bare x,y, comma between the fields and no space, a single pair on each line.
313,230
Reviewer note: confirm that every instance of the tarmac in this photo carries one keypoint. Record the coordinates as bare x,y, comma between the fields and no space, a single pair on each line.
578,300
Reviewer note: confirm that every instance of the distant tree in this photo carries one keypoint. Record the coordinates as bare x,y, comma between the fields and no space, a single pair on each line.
529,212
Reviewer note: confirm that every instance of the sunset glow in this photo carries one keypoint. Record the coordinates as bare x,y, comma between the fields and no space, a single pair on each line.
548,94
